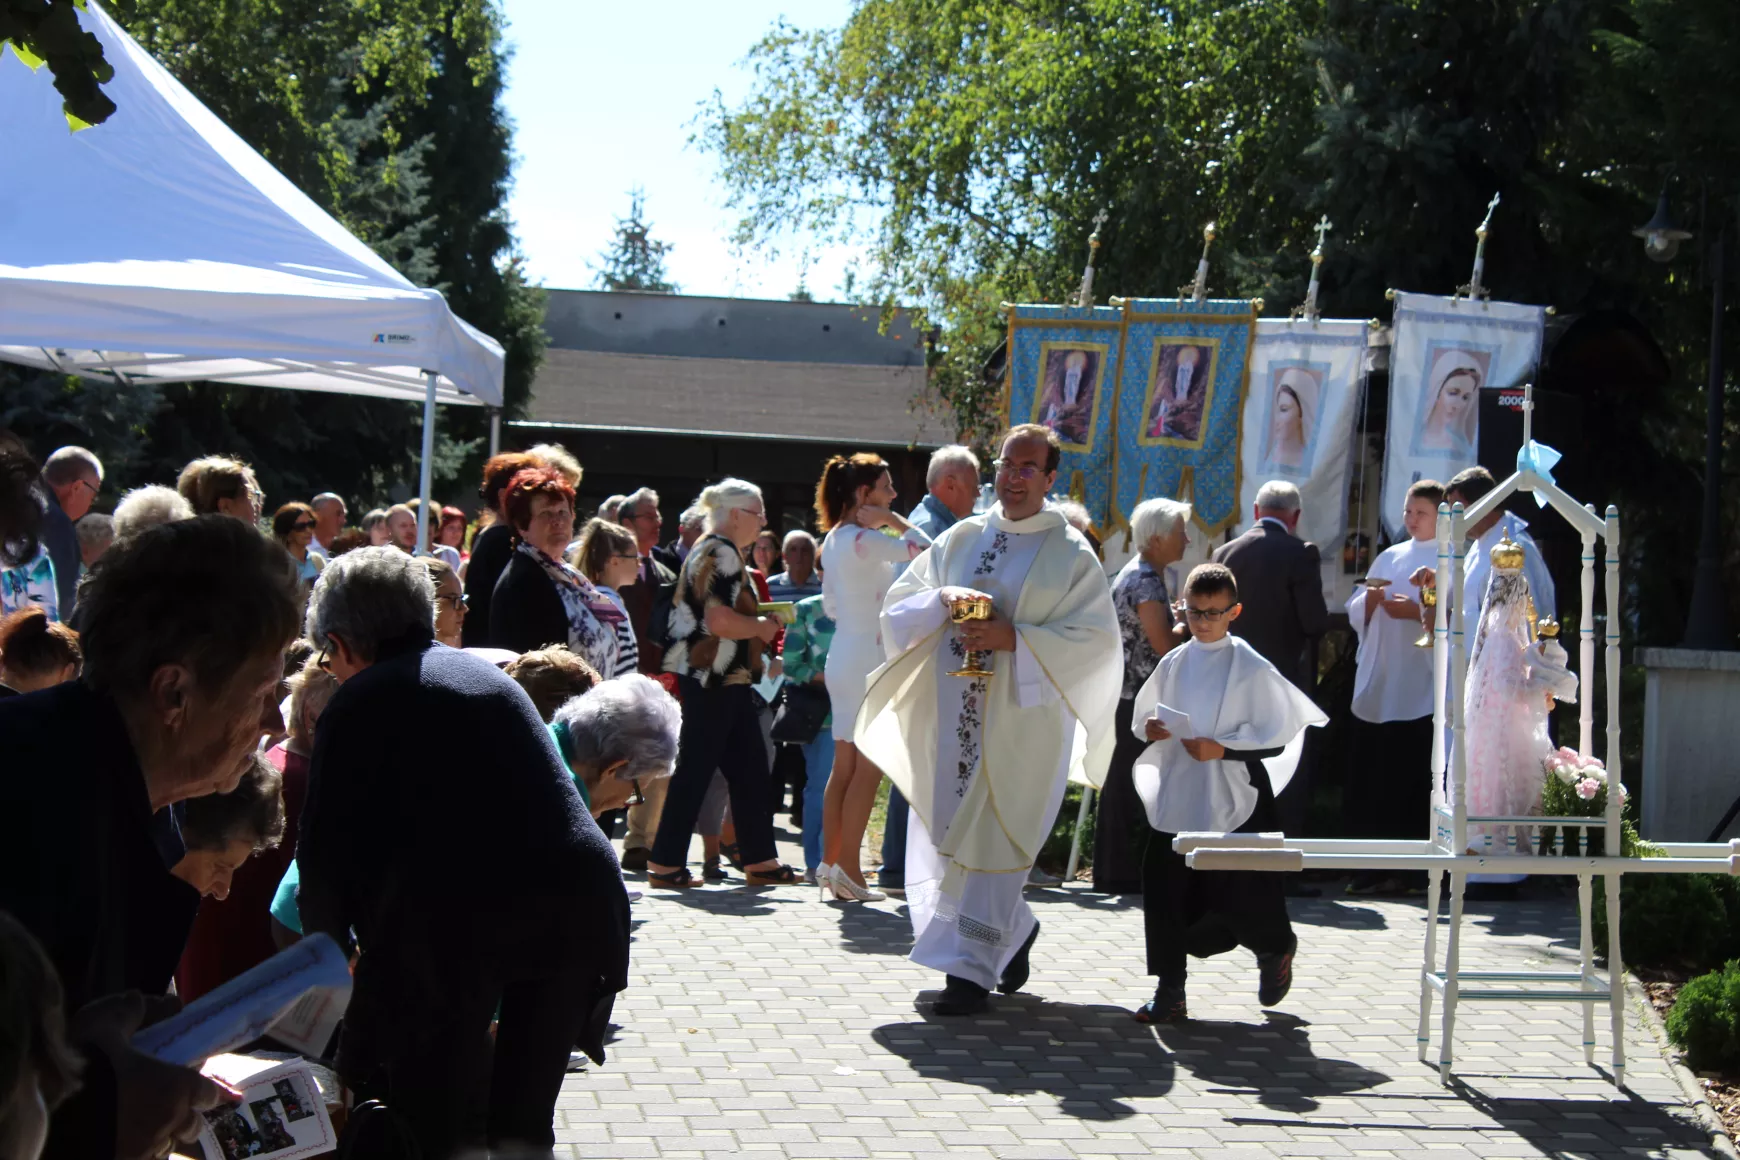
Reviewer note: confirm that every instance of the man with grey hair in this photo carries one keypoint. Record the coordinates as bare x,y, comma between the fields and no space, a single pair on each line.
691,525
951,490
329,516
618,736
1280,579
531,917
800,578
72,477
96,532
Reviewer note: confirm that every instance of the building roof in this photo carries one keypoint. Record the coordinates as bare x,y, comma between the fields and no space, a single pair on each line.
734,367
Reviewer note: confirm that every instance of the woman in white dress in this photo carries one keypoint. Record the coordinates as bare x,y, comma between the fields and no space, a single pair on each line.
865,540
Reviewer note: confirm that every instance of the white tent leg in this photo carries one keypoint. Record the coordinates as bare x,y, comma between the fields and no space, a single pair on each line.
494,432
430,378
1081,817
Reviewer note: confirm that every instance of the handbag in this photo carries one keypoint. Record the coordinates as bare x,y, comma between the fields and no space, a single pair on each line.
802,709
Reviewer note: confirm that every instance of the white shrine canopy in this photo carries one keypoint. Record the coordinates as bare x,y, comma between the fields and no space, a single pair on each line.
159,246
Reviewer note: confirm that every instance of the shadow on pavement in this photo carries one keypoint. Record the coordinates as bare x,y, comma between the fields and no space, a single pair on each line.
1342,915
1089,1058
732,898
871,930
1272,1061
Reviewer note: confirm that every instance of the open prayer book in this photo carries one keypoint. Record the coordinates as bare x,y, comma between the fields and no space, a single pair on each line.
296,997
282,1114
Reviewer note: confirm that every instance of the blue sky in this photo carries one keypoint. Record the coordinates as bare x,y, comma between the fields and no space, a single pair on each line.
603,96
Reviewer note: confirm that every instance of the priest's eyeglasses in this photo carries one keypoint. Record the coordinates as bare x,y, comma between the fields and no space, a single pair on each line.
1209,614
1018,470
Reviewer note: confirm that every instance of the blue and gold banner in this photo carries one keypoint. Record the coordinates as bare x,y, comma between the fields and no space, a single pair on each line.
1063,372
1180,399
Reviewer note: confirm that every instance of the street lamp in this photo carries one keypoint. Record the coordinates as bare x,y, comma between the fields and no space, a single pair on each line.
1707,618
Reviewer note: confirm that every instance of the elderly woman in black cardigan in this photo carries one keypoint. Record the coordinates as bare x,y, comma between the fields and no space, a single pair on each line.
541,599
464,897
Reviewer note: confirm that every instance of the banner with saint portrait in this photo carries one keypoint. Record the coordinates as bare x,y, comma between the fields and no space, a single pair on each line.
1444,351
1182,389
1063,366
1298,420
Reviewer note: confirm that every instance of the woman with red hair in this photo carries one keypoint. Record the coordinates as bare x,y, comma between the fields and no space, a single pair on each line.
541,599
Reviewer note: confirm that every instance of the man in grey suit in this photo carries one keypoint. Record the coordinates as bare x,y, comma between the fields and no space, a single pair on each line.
1281,587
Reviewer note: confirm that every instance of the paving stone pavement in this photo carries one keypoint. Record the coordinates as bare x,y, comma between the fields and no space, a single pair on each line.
767,1022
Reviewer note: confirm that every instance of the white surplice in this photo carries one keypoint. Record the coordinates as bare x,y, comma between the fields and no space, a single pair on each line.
984,761
1235,697
1394,679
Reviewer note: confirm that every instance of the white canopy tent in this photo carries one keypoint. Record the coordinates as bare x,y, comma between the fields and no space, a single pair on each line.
160,247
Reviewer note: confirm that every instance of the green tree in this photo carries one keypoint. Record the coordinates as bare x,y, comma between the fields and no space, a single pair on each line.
635,261
970,143
48,32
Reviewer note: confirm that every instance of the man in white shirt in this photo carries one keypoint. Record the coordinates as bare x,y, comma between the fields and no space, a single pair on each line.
1389,775
1466,488
329,517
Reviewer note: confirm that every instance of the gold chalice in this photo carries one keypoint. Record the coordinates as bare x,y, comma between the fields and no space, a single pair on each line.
965,610
1429,599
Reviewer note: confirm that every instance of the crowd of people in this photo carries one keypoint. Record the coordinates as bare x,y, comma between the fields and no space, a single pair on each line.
198,703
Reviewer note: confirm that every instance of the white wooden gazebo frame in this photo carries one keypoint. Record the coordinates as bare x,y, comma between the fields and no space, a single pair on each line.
1448,850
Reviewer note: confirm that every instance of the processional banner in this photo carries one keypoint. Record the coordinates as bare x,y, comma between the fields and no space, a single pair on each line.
1299,414
1445,350
1063,372
1181,393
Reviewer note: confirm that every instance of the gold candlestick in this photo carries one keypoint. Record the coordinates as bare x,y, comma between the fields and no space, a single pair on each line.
961,612
1429,599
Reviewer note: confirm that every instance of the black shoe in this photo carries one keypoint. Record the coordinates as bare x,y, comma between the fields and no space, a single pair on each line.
712,872
635,859
1015,974
1275,976
1167,1006
962,997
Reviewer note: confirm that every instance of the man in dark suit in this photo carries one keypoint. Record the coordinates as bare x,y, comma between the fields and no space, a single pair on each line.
472,902
1281,587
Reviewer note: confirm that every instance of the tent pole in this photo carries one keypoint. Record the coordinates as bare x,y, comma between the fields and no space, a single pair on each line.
429,378
494,432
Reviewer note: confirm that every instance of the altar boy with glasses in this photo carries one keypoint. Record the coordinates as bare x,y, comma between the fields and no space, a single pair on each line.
1222,721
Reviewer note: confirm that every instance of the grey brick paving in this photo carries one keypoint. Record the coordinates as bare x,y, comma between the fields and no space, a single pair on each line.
768,1024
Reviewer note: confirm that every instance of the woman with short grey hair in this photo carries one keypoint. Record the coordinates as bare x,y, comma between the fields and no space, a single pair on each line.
366,600
147,507
616,734
1160,530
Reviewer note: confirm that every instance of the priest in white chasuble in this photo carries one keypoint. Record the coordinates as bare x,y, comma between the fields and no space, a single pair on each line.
983,760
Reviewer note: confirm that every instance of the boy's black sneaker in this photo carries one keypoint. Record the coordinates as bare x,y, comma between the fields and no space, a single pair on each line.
1275,977
1167,1006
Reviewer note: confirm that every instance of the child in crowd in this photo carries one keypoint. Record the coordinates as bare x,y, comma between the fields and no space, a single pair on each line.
1241,714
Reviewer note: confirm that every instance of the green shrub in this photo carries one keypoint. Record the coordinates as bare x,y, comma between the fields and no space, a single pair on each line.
1705,1020
1690,921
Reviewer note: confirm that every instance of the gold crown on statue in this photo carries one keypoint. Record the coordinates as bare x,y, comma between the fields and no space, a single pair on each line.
1508,555
1548,628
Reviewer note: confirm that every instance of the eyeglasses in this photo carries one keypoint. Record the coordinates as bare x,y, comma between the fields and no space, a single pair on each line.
458,602
94,488
636,798
302,526
556,515
1209,614
1018,470
324,661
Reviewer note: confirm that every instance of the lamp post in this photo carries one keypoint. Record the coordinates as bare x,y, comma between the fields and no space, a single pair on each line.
1707,618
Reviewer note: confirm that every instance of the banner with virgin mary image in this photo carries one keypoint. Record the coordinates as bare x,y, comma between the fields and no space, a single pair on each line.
1063,366
1182,390
1298,420
1445,350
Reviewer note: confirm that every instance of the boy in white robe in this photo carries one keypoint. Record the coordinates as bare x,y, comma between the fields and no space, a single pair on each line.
1241,713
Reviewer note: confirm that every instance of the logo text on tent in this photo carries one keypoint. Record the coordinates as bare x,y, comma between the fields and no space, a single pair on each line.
391,339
